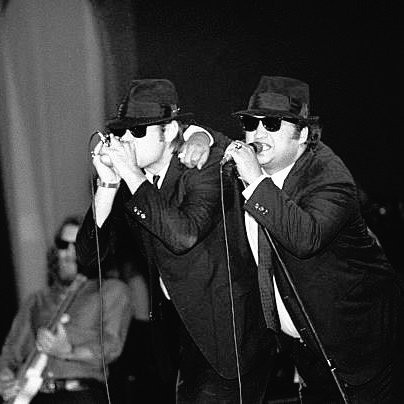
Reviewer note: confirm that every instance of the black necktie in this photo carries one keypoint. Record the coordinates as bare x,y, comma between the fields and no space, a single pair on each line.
155,181
265,274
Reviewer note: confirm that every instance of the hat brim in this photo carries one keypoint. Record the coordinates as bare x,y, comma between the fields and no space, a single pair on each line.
128,123
268,112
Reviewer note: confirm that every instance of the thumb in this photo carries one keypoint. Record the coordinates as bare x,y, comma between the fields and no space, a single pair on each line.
202,160
60,330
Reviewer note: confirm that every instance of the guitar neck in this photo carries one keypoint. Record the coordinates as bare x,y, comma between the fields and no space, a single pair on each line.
71,293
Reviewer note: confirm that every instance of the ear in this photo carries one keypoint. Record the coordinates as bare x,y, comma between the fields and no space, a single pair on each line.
304,133
170,131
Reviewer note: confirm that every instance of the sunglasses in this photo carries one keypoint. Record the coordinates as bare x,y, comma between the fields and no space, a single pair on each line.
64,244
270,123
136,131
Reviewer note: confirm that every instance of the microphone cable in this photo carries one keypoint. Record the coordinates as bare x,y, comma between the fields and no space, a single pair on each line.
233,316
100,294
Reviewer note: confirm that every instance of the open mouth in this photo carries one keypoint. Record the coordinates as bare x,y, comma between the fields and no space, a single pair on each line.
265,147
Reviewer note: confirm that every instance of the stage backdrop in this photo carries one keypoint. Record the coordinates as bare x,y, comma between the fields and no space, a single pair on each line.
56,71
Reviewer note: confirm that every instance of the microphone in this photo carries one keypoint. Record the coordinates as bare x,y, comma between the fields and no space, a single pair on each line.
257,146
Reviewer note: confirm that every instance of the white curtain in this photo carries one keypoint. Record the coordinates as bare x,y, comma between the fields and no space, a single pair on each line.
51,100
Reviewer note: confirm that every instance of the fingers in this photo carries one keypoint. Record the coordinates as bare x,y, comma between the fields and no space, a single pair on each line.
53,344
203,159
114,141
181,157
44,340
11,391
100,155
237,147
60,331
128,147
190,161
186,158
8,384
194,156
97,154
232,148
238,144
102,147
97,148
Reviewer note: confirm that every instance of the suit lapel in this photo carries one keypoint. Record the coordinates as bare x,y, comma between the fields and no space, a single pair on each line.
174,171
290,186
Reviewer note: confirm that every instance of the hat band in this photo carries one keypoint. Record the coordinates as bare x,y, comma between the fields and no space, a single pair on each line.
277,102
151,110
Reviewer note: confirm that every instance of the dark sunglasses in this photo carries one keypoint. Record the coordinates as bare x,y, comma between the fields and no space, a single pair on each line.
137,131
270,123
64,244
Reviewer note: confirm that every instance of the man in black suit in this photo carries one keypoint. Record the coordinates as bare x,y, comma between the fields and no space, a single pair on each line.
302,209
175,218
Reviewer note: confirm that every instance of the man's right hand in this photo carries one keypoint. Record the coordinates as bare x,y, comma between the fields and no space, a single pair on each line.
103,165
9,387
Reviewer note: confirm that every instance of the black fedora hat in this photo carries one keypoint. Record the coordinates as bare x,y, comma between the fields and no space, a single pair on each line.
280,97
148,102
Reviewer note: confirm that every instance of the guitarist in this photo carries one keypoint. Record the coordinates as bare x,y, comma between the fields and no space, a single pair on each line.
74,372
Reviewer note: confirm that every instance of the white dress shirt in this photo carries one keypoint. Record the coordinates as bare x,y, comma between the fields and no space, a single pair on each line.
278,179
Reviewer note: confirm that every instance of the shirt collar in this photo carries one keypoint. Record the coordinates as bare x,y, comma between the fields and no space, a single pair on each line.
162,173
279,177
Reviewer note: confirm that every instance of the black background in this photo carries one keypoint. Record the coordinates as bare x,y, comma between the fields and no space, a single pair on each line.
349,54
216,53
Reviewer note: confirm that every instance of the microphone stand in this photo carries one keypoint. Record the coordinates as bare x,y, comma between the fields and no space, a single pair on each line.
329,362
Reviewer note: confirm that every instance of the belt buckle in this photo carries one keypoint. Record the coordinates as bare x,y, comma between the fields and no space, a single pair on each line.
72,385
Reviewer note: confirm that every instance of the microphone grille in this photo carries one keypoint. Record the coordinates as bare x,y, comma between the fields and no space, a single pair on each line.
257,146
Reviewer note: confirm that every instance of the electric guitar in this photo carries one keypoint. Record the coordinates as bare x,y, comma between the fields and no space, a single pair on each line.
29,376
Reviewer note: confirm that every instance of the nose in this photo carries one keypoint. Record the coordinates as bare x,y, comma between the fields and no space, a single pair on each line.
260,131
71,250
127,136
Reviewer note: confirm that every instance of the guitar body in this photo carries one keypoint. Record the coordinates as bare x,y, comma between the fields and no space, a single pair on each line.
30,374
32,381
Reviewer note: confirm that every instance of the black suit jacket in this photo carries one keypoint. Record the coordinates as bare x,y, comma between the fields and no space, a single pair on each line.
343,278
179,229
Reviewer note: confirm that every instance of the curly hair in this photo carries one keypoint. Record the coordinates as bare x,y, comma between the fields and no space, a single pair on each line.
314,131
314,134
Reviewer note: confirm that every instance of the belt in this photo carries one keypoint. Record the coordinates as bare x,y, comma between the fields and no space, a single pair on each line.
50,386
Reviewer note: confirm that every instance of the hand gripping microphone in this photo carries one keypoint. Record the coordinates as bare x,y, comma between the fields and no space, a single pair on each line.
255,145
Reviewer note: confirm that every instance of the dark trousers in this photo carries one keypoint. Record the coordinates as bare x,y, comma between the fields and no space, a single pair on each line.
199,383
320,387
